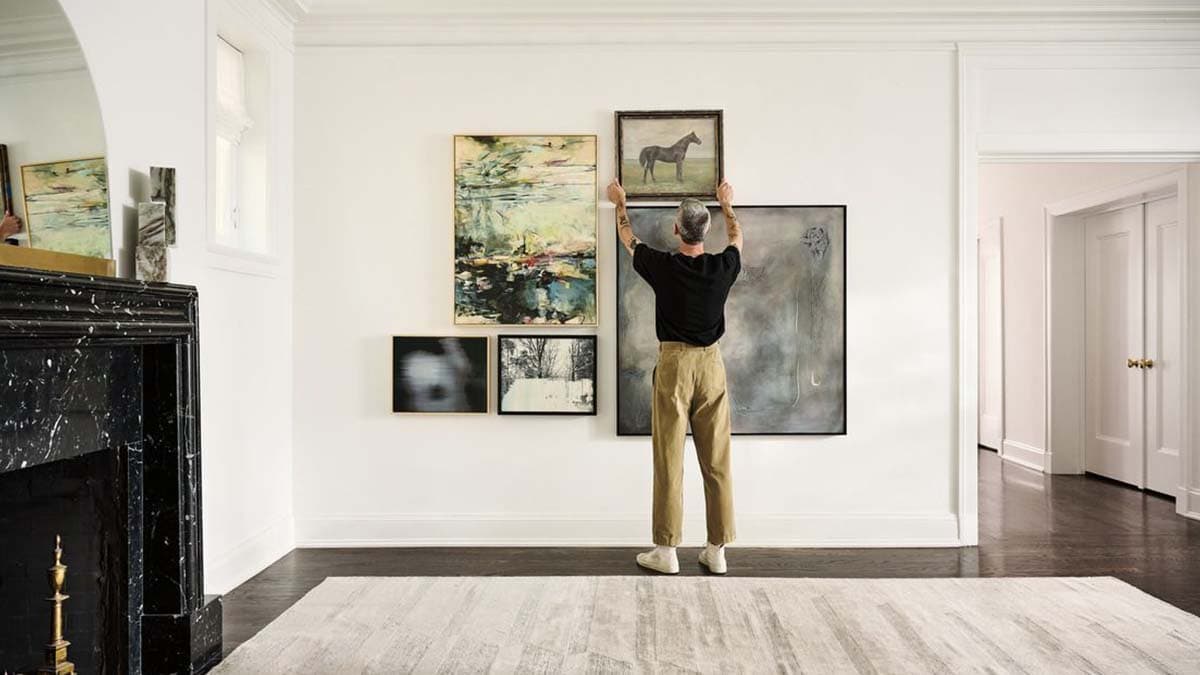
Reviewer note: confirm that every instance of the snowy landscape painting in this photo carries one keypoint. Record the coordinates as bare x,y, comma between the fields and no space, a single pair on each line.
547,375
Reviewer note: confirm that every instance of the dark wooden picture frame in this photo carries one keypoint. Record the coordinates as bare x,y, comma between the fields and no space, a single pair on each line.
658,155
6,193
500,374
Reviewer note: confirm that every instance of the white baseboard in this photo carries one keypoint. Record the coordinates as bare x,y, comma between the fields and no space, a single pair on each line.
1025,455
782,530
1188,503
251,556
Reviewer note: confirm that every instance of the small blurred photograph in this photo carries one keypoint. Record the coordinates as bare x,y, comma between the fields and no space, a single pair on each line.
439,374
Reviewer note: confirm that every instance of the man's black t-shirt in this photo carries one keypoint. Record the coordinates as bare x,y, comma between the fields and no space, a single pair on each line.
689,293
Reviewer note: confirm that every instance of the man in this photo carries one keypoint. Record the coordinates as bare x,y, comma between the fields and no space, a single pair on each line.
690,289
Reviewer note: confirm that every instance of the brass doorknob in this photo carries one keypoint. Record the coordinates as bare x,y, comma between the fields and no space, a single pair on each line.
1132,363
1146,363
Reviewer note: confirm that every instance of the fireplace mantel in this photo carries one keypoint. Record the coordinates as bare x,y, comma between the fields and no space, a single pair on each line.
90,364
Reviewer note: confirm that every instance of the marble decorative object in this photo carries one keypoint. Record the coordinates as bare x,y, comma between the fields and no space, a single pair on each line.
151,223
106,368
162,189
151,251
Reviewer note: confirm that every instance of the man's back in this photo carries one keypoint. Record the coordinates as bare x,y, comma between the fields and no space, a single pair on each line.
689,292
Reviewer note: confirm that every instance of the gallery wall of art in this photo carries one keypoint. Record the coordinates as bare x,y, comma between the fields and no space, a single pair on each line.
149,64
874,131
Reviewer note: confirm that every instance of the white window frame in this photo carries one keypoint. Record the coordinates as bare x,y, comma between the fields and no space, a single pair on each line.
234,23
231,125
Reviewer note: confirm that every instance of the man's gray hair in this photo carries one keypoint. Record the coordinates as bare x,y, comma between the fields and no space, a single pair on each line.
693,221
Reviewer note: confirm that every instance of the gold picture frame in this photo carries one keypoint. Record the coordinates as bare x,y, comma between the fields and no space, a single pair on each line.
98,202
486,374
592,190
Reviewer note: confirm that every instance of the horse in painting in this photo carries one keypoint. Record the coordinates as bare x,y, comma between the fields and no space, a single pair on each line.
674,154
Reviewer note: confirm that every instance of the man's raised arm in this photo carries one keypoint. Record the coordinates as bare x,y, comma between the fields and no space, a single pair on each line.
616,195
733,229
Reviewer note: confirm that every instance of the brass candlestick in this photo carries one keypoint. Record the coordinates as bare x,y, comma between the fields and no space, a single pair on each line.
56,649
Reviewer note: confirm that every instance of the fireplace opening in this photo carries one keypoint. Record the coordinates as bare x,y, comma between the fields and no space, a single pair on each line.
72,428
80,499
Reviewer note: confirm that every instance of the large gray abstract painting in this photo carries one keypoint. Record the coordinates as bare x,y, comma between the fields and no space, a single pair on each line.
785,337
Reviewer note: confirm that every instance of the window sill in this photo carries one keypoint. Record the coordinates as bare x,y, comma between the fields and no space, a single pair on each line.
236,260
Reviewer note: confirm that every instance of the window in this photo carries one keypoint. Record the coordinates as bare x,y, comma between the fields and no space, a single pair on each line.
238,225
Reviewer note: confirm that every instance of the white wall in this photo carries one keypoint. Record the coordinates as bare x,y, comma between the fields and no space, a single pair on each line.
149,63
374,130
1018,193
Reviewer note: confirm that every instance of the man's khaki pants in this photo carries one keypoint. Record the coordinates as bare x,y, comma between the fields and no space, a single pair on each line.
689,385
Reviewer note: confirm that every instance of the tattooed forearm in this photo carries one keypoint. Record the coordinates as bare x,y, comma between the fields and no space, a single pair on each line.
733,228
625,229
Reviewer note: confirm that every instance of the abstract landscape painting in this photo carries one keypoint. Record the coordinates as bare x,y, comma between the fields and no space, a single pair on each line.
547,375
525,230
439,374
785,339
66,206
670,154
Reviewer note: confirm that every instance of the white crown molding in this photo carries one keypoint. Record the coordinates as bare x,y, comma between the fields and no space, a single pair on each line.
274,18
38,45
291,11
385,23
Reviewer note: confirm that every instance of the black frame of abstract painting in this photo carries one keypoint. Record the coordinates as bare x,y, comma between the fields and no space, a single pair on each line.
500,374
846,357
719,118
487,374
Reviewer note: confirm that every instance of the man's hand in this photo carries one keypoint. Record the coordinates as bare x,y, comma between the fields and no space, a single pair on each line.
616,193
10,225
725,194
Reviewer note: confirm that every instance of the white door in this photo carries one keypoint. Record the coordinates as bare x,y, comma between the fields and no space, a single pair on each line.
1163,376
991,336
1114,406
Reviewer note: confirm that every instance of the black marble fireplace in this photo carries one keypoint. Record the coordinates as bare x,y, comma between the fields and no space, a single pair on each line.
100,442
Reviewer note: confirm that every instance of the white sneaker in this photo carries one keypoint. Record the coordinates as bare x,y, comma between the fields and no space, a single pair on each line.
661,559
713,557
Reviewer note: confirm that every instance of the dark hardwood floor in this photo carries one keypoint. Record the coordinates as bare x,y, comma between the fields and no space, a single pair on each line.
1031,524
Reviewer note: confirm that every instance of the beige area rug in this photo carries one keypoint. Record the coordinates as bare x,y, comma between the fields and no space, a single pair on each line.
711,625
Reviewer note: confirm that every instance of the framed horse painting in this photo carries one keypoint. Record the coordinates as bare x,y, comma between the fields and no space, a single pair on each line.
670,154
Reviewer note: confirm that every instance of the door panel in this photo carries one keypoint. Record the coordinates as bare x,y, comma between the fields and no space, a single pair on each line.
1115,442
1164,381
991,337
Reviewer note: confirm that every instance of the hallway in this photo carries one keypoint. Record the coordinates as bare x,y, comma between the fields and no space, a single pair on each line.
1033,524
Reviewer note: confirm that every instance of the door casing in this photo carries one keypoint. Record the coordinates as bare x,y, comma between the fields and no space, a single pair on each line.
1066,321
